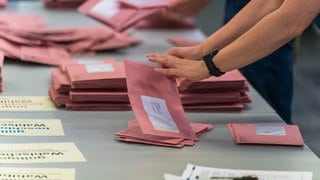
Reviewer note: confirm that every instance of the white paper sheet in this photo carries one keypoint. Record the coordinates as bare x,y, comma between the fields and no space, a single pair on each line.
40,153
194,172
26,103
37,173
31,127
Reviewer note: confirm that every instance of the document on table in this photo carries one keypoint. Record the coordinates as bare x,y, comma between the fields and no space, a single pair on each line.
26,103
31,127
37,173
194,172
40,153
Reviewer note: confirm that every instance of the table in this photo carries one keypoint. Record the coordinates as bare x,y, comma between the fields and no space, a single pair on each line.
93,132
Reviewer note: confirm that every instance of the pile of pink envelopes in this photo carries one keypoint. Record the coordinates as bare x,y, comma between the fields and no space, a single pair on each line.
263,133
102,85
123,14
28,39
155,101
1,66
98,86
225,93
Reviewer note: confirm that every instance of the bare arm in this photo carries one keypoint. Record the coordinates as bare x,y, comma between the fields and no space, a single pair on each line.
254,40
252,13
269,34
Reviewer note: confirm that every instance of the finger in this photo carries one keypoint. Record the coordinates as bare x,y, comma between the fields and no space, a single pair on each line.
165,60
167,71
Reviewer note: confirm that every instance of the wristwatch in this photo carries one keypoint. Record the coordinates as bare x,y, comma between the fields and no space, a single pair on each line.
213,70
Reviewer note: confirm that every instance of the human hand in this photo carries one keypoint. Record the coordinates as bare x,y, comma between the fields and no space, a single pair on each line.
187,71
192,52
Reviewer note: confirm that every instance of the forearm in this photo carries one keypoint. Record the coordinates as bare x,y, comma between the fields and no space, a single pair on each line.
253,12
269,34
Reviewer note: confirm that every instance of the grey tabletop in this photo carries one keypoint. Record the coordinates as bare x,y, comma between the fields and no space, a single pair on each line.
93,132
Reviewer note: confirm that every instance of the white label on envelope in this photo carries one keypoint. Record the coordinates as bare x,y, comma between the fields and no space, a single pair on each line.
270,130
106,8
40,153
11,173
94,68
31,127
159,114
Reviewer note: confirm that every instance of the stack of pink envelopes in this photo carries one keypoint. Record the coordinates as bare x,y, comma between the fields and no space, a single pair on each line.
225,93
34,42
155,101
97,85
1,65
262,133
121,14
102,85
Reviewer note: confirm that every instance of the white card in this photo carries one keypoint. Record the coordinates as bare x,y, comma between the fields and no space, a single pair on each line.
31,127
10,173
40,153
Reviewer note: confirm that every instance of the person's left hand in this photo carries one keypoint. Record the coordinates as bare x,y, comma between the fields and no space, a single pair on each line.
188,71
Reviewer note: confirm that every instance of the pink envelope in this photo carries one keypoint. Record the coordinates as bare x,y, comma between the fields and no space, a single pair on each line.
1,65
58,99
182,42
97,76
3,3
155,101
217,107
213,97
140,15
60,81
273,134
144,4
107,12
10,49
134,134
98,96
98,106
134,131
21,21
44,55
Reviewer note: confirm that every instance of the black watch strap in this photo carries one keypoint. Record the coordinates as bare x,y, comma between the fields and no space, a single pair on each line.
213,70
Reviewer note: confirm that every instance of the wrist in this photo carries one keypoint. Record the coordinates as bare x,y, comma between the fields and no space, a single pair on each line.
209,61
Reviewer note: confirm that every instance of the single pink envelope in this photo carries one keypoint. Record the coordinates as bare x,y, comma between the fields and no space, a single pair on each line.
98,96
156,103
262,133
97,76
107,12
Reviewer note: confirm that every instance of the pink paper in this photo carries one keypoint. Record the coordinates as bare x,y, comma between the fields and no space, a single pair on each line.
155,101
273,134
